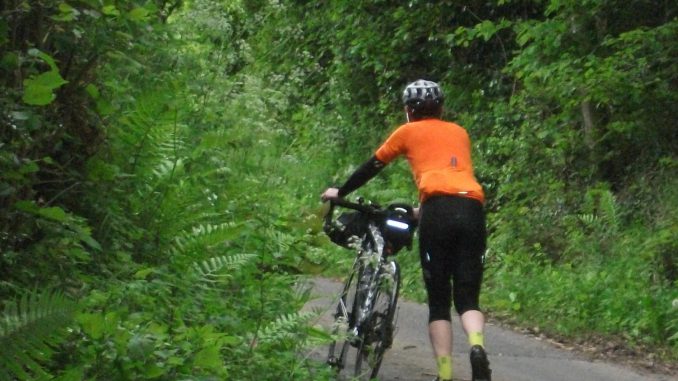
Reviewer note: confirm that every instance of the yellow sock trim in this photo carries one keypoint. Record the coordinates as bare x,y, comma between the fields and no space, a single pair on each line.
476,338
444,367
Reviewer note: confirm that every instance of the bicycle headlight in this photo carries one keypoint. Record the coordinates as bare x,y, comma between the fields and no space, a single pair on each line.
397,224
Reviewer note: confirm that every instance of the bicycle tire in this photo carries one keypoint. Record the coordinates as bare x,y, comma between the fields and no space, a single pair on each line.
343,321
378,334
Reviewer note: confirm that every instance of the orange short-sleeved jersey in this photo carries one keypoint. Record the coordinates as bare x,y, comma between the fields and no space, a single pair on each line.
439,154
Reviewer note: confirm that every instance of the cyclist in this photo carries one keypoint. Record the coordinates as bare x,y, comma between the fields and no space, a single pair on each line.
452,234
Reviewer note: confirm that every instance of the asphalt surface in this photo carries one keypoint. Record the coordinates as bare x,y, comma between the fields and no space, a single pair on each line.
513,356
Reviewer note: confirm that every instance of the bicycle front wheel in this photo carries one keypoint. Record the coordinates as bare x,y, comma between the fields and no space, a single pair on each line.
344,321
379,328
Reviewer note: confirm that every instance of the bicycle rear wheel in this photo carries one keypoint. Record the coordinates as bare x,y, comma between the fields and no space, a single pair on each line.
378,330
344,321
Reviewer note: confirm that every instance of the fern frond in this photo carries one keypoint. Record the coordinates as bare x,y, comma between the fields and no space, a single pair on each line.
29,328
285,327
167,167
149,130
280,242
204,236
608,206
302,292
174,143
588,219
214,267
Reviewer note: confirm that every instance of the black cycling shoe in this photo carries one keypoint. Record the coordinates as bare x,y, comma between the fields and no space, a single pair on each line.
480,366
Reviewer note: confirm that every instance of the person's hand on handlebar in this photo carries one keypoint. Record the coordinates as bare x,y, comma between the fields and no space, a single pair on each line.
330,194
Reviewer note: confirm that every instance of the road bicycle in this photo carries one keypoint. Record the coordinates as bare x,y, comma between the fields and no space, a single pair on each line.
364,321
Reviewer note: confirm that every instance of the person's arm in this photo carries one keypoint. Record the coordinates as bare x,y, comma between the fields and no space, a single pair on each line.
363,174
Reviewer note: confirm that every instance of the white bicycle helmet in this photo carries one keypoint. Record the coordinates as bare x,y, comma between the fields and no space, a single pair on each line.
421,91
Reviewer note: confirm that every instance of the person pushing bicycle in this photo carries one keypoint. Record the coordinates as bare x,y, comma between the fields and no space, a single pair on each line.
452,233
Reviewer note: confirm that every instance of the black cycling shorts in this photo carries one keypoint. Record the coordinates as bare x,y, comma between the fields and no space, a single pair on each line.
452,241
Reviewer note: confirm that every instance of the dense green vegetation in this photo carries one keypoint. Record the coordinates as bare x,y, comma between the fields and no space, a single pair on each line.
140,176
161,161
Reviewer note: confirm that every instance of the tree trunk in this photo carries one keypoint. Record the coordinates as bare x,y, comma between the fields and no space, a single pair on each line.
587,115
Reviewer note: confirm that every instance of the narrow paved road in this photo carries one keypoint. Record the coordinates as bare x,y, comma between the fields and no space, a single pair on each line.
513,357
